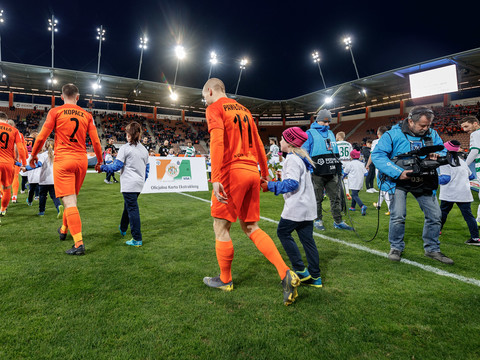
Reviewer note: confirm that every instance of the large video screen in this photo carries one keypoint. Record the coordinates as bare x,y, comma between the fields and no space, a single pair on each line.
432,82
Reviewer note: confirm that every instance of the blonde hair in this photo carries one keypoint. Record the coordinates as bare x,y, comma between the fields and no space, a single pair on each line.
49,147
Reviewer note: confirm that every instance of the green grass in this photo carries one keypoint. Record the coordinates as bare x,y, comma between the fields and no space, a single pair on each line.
119,302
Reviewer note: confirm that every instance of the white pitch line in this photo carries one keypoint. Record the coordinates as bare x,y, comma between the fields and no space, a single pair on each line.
428,268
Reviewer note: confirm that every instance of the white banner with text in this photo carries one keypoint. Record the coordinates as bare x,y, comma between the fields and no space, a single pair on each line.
176,174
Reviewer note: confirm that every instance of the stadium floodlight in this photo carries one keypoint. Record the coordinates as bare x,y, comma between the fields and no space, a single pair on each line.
213,61
52,27
316,59
52,80
2,20
100,38
142,46
180,52
243,65
174,96
347,40
328,100
96,85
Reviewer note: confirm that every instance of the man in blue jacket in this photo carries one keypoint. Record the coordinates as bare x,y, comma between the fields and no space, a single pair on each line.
326,176
411,134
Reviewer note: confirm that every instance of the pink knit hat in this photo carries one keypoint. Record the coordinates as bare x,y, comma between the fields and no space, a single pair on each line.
295,136
452,145
355,154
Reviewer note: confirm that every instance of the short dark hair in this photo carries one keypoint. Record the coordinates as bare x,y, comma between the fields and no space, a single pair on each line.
3,116
70,90
135,131
470,119
382,129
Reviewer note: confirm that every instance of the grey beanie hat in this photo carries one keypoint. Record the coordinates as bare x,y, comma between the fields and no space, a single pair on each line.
324,115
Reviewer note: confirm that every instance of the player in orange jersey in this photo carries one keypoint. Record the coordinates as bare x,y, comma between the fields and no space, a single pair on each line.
236,151
71,124
9,138
15,182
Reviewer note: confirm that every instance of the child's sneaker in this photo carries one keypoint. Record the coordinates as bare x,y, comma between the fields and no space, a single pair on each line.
342,226
303,275
29,203
314,282
60,212
473,241
133,242
351,209
363,210
123,233
319,225
41,213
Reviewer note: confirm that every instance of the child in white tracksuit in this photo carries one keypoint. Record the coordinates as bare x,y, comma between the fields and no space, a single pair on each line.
300,208
355,170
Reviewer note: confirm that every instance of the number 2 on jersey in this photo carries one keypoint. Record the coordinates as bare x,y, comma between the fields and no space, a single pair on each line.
72,136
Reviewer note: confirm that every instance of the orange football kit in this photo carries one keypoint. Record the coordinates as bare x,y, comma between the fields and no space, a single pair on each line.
236,150
71,124
9,137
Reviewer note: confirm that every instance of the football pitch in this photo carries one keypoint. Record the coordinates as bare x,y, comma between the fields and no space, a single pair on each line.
119,302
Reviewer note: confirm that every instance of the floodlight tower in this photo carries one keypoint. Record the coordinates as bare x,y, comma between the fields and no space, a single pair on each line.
143,46
52,27
316,59
2,20
347,40
213,61
243,65
101,39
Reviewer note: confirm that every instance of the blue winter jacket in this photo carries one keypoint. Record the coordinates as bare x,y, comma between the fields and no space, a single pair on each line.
315,148
397,141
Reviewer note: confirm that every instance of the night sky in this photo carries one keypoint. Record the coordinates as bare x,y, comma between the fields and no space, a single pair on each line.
277,37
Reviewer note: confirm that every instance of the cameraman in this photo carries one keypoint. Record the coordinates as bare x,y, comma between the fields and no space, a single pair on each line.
326,176
411,134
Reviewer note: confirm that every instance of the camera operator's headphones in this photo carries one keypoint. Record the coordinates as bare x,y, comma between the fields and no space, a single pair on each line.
420,111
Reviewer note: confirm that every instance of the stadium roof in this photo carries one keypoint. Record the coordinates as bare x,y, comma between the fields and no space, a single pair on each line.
381,90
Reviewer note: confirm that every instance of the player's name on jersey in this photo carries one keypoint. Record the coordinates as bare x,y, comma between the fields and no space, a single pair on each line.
233,107
6,128
73,112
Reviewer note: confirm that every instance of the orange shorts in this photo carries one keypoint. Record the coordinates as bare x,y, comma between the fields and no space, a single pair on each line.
6,174
243,192
68,175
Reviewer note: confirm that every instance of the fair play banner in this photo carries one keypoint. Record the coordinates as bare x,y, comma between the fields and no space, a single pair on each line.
176,174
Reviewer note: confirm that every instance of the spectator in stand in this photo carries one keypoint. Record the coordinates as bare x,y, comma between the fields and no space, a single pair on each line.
164,149
455,189
147,143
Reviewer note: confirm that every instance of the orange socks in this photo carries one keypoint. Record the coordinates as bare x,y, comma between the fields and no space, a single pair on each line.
74,223
7,193
224,250
267,247
64,228
15,185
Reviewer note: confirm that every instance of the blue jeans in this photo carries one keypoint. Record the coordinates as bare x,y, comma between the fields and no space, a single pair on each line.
431,227
131,215
305,234
356,199
466,210
44,190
